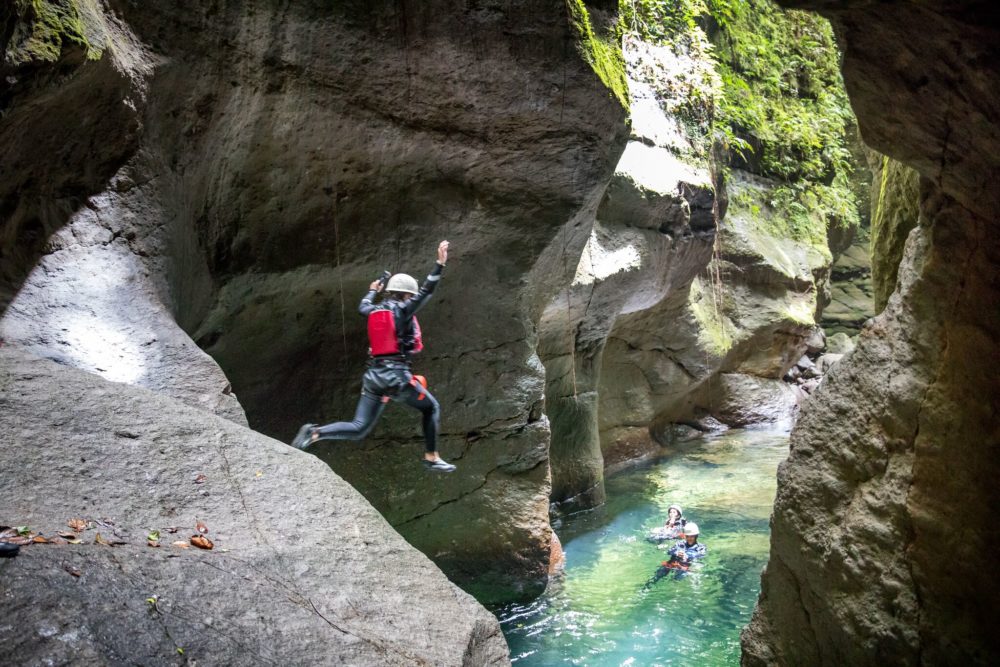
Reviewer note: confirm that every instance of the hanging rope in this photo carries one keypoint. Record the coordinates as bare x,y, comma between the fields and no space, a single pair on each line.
570,329
340,280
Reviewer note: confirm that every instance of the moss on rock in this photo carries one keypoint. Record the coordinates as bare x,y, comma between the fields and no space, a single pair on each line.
602,52
43,29
895,210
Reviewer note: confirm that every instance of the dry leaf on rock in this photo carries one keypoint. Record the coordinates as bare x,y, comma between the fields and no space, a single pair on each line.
152,543
201,542
201,527
38,539
17,539
68,535
57,540
200,478
79,525
100,540
72,570
172,529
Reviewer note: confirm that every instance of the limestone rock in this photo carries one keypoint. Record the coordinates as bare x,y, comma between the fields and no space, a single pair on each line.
303,570
773,401
900,442
895,204
246,194
816,342
851,300
828,361
839,343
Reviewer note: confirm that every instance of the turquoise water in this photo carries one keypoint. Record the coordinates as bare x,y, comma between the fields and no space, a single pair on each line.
598,613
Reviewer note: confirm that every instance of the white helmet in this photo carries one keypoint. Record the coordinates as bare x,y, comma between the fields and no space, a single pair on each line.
690,528
402,283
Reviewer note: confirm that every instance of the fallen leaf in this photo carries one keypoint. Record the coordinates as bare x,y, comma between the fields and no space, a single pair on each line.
68,535
18,540
152,543
100,540
200,478
259,473
78,525
38,539
57,540
201,527
172,529
154,536
201,542
75,541
8,532
72,570
181,544
23,530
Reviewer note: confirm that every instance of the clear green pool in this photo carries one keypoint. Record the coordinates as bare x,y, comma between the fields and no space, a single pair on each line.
597,613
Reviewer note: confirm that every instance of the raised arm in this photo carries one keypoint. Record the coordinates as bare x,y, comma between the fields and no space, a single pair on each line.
430,283
368,300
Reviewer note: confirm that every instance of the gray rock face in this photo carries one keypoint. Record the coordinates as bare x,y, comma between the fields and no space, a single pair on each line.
253,168
303,570
648,330
851,290
895,206
883,540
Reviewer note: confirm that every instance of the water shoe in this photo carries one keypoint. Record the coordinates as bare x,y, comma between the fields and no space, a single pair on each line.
304,437
439,465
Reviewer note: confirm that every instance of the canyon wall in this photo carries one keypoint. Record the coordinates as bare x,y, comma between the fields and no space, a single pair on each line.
883,544
235,176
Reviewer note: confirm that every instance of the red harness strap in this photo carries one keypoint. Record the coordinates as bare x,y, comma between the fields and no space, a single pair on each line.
419,381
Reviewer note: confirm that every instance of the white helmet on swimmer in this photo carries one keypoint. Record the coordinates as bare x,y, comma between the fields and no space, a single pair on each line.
690,528
402,283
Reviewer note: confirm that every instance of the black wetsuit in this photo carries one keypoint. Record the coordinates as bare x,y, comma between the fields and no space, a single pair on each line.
388,376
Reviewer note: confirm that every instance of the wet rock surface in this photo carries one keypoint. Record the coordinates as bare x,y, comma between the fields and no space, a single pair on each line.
303,570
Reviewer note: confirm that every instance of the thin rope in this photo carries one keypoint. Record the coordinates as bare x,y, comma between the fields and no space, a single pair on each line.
340,281
570,329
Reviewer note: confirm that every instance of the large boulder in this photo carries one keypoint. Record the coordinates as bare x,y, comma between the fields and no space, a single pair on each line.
303,570
883,535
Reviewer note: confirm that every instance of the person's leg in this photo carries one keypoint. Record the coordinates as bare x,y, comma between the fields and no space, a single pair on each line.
423,400
367,413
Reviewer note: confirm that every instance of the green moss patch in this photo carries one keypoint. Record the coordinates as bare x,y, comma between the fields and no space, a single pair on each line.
43,29
602,52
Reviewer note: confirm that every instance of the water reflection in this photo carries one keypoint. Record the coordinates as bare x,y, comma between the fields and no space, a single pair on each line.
597,613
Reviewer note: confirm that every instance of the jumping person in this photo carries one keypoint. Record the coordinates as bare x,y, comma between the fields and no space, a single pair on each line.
393,335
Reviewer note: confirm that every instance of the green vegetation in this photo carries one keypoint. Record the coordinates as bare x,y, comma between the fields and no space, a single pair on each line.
43,29
781,112
602,53
715,331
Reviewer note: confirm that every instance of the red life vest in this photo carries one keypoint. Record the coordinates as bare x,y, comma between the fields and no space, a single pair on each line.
384,339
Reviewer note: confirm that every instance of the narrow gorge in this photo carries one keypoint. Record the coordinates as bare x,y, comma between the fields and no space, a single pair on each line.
666,222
